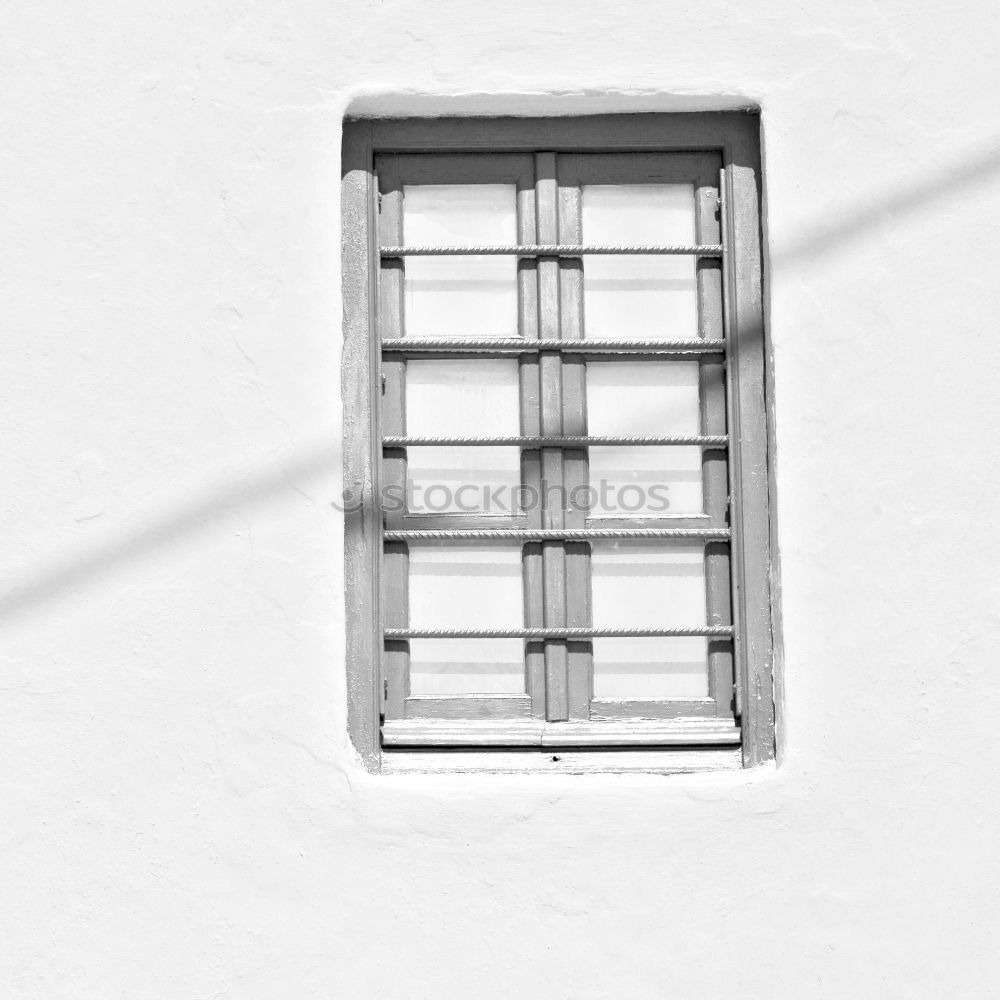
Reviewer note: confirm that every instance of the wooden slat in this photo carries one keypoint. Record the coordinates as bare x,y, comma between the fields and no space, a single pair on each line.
361,429
643,732
618,709
530,392
550,371
576,465
676,131
395,555
533,576
469,706
748,467
536,732
715,478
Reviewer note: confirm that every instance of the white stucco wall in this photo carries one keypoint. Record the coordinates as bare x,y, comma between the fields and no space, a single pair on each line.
181,816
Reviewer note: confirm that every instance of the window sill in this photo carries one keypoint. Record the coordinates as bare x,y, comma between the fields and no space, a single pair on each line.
679,761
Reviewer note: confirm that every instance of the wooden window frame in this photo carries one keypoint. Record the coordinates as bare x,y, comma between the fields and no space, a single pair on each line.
734,137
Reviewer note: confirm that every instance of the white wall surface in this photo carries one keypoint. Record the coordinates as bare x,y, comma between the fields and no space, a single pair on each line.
181,815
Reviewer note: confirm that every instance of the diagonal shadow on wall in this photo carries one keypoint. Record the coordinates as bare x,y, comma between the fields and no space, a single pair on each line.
60,578
54,581
943,184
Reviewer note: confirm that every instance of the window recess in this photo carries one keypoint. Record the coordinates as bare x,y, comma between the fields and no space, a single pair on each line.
554,401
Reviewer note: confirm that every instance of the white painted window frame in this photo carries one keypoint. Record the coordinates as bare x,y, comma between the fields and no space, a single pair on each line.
735,137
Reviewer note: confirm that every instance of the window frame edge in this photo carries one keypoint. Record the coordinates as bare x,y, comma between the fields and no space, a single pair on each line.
736,134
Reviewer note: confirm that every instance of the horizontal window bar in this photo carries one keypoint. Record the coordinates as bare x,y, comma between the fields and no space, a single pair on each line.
550,250
517,345
557,633
556,441
551,534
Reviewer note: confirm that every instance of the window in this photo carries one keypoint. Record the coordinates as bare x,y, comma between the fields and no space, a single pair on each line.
557,535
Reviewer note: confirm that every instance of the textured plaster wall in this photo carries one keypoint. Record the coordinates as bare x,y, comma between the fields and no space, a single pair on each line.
181,816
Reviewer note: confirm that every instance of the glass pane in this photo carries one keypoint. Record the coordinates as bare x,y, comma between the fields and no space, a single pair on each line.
460,296
638,668
464,586
639,583
633,296
466,666
649,398
463,398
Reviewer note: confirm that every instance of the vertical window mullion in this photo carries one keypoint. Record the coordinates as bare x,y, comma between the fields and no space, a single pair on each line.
715,480
576,478
395,556
530,399
550,374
